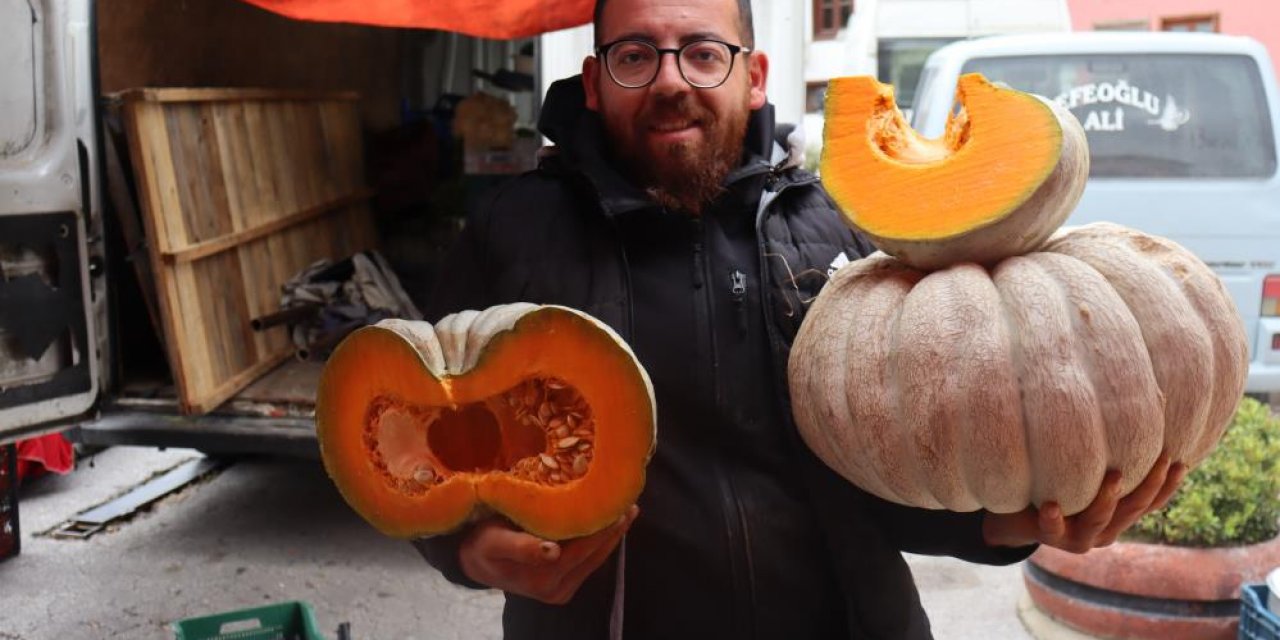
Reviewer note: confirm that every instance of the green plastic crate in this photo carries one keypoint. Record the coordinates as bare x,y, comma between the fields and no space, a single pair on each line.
283,621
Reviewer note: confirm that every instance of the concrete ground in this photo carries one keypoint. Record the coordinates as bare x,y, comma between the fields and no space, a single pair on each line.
267,531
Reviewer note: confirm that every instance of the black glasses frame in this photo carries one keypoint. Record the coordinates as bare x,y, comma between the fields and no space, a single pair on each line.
602,52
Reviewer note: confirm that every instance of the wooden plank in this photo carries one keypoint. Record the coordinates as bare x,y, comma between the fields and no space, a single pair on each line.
153,167
291,383
190,343
186,227
203,94
228,127
227,241
253,254
211,178
303,143
158,169
210,399
282,164
260,162
257,132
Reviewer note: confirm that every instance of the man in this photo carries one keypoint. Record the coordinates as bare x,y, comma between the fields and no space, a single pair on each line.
669,212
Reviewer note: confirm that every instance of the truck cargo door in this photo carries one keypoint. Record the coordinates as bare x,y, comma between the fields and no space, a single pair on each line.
48,347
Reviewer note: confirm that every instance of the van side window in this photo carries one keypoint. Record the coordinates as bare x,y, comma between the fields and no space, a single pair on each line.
1155,115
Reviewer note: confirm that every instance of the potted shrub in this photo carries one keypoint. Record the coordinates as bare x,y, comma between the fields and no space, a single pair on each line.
1177,573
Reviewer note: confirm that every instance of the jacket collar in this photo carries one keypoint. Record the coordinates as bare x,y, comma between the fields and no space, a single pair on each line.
579,137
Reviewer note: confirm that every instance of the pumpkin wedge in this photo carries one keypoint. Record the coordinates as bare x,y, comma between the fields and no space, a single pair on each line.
1007,172
539,413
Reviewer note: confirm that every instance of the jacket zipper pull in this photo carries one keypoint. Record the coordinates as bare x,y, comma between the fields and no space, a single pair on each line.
738,293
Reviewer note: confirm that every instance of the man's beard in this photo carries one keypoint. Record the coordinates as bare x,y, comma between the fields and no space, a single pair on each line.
683,176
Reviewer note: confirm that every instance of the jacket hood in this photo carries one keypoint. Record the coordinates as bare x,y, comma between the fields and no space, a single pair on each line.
578,134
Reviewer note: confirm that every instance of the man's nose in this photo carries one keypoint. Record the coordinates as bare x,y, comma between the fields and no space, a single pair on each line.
669,81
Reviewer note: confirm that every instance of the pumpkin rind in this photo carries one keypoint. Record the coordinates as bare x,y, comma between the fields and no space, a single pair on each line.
971,388
457,372
1008,172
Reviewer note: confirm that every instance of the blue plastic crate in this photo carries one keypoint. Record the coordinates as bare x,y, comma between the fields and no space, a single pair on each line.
1256,621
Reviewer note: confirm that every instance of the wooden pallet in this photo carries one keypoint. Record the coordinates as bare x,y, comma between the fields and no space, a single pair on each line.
241,190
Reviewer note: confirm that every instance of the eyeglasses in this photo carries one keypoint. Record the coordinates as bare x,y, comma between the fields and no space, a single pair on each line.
705,64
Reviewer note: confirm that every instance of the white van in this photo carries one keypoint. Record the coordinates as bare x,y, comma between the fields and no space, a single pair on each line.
1182,133
892,39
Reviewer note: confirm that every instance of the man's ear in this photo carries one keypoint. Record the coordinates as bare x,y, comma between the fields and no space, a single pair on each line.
591,81
758,73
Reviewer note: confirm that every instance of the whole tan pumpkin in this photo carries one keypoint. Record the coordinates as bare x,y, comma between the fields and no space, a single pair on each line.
999,388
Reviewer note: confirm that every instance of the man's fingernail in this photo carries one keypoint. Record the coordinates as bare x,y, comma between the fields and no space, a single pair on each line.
550,550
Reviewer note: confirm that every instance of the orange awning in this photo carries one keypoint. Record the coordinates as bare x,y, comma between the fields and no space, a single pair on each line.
499,19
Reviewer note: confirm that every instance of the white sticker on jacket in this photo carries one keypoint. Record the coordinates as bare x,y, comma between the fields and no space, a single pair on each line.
840,260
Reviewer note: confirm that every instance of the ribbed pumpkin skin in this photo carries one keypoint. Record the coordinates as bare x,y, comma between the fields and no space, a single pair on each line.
970,388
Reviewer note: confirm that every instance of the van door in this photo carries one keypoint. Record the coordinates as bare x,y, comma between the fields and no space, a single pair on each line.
49,355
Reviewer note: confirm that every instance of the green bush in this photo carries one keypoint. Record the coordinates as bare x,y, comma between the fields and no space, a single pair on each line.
1233,497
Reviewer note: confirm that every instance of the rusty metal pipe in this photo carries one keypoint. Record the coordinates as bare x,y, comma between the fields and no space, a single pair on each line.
285,316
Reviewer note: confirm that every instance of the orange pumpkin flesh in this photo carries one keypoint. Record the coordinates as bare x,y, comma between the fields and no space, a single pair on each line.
1008,170
540,414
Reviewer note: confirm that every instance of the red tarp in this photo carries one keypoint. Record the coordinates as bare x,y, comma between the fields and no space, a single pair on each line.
50,452
499,19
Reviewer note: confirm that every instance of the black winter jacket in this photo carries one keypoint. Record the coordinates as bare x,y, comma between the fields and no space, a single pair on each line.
743,533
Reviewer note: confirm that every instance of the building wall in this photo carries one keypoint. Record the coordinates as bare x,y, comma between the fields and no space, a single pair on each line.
1258,19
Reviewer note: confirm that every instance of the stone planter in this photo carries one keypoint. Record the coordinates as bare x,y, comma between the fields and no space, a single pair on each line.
1141,591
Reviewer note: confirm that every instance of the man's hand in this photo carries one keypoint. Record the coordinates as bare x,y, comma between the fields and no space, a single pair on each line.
1098,525
497,555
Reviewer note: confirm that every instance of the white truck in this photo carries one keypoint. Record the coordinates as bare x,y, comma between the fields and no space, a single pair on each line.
1183,142
891,39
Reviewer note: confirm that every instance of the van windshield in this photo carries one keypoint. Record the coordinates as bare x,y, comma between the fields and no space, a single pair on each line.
1155,115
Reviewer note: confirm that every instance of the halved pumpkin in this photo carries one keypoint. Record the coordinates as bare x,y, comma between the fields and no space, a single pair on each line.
1007,172
539,413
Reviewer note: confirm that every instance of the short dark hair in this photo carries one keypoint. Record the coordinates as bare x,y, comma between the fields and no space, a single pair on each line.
746,26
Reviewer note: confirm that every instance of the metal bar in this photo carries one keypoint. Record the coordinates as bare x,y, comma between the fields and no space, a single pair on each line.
95,519
230,435
288,315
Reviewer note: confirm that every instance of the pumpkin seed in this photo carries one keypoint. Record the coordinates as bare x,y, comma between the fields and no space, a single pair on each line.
561,432
579,465
424,474
566,443
548,461
552,383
